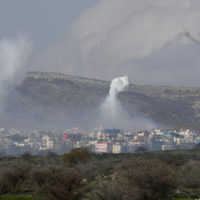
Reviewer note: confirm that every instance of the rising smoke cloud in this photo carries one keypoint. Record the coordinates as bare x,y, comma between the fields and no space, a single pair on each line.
112,112
128,37
112,108
14,54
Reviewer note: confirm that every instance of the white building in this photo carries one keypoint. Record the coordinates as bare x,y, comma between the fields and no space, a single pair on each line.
117,148
103,147
46,143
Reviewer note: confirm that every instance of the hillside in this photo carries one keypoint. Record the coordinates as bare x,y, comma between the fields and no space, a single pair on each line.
51,97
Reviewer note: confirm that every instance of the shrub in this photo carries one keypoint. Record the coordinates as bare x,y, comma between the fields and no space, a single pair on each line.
191,174
77,155
58,183
12,179
148,179
51,154
26,156
52,157
107,190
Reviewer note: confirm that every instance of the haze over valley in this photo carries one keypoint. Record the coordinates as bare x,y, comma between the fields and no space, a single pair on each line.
52,99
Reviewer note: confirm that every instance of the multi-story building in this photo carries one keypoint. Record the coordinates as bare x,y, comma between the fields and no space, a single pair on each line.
103,147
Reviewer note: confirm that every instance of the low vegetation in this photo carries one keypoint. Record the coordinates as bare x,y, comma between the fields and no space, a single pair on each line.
172,175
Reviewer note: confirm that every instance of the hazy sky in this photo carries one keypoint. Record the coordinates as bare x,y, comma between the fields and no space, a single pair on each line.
107,38
45,22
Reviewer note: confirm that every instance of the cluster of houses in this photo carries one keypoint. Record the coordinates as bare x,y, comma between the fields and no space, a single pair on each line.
129,142
99,140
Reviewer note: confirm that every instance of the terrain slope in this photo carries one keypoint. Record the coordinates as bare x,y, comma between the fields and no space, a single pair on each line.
52,97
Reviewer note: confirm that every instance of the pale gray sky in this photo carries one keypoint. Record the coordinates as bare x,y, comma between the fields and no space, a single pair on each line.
45,22
107,38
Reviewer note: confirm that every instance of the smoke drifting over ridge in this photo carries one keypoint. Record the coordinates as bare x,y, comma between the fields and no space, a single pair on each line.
112,112
128,37
13,57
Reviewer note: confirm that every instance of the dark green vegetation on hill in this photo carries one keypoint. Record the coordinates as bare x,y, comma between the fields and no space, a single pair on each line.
82,175
51,97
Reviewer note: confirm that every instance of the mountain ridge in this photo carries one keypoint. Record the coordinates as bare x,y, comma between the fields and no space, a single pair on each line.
50,97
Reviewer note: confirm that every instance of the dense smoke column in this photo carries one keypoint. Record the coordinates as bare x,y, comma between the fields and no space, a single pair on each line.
112,111
114,116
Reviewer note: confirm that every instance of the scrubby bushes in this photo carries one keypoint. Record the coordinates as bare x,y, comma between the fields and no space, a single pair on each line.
139,180
108,190
50,183
12,179
148,179
191,174
143,176
26,156
77,155
59,183
189,185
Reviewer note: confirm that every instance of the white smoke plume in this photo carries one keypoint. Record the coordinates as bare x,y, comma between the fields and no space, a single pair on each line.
13,57
112,112
132,37
112,106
